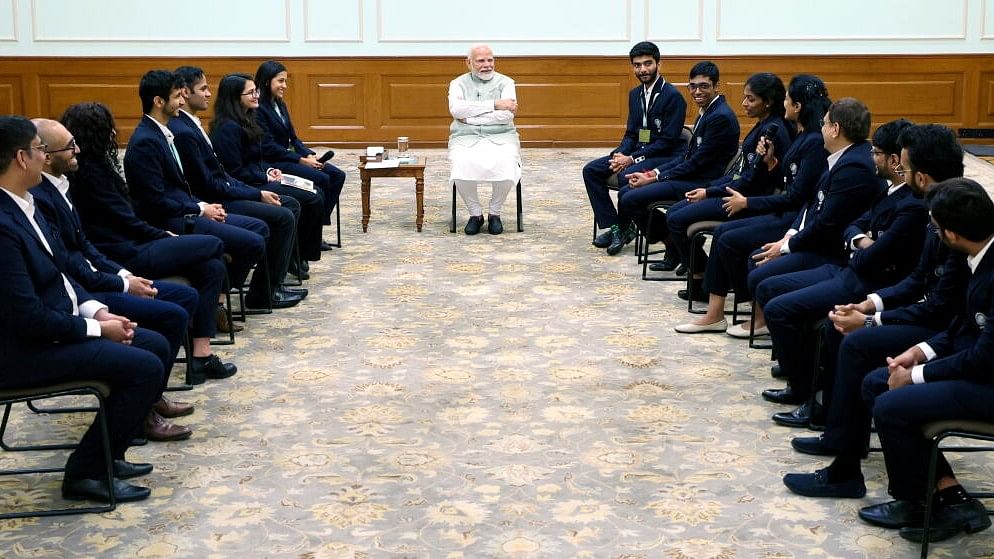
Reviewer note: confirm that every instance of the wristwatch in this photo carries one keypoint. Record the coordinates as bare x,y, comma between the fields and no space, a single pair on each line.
869,321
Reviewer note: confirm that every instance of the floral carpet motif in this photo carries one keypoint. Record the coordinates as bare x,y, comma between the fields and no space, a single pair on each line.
439,395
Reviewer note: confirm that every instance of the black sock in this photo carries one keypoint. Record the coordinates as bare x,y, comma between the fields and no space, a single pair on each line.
843,468
952,495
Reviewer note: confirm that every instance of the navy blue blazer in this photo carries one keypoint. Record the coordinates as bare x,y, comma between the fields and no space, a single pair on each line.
35,309
752,177
801,167
203,169
896,223
105,211
713,144
930,294
844,193
667,112
281,144
80,253
158,187
965,350
240,156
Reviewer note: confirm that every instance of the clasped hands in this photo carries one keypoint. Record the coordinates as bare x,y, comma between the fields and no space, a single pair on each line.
114,327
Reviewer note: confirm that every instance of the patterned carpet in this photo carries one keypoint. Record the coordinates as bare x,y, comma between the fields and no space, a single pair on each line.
442,396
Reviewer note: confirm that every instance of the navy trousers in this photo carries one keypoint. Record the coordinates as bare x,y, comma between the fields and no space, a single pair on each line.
282,225
683,214
134,373
595,175
328,181
198,258
310,221
633,203
728,267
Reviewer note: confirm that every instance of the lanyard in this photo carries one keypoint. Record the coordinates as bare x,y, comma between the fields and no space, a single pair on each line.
648,103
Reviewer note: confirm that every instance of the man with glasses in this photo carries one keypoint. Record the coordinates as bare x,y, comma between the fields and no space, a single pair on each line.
54,331
713,143
882,246
656,112
886,323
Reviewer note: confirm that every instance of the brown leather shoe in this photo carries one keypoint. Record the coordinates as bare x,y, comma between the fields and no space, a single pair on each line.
169,409
159,430
223,325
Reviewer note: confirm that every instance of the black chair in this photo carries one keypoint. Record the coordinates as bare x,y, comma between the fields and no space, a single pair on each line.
938,432
9,397
260,266
697,233
520,218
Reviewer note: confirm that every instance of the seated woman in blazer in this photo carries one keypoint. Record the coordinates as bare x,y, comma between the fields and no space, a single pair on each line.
238,142
283,149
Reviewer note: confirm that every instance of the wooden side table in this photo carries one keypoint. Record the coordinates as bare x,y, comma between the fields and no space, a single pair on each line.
409,170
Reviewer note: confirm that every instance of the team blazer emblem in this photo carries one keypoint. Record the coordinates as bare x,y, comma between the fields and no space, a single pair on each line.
980,319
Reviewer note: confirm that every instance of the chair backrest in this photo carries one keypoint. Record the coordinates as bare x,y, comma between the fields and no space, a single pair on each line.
686,134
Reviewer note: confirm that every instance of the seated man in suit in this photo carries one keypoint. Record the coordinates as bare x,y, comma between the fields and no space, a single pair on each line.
210,182
164,308
55,332
162,194
883,246
714,141
483,143
947,377
100,197
844,191
656,112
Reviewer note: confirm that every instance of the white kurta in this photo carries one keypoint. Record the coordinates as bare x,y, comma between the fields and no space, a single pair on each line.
483,157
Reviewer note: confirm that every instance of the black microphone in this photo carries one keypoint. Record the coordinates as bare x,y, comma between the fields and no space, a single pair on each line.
768,134
331,153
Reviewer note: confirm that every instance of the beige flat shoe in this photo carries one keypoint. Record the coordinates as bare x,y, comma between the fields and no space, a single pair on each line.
691,328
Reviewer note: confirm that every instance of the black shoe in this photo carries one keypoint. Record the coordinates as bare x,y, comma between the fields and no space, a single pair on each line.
698,292
603,240
619,239
667,265
494,226
775,372
680,270
326,246
202,368
894,514
298,291
474,225
801,417
784,396
814,446
127,470
949,520
817,485
96,490
280,300
138,441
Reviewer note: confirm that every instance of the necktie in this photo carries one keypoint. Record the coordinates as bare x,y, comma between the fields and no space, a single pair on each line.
172,148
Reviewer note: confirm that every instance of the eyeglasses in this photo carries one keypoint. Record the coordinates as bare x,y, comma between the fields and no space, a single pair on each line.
900,170
826,122
40,147
702,86
877,152
251,93
71,146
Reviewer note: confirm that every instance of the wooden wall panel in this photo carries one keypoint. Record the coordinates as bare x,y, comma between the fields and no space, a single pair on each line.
564,101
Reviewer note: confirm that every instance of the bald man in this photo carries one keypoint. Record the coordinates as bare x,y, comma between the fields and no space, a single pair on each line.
483,143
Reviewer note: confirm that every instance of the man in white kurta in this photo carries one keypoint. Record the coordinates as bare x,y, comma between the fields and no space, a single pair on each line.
483,143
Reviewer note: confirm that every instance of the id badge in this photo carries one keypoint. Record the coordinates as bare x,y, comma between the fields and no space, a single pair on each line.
643,135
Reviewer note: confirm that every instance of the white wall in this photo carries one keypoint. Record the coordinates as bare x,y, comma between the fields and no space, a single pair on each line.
514,27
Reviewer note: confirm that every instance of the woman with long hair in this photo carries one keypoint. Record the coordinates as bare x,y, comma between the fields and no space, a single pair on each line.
805,103
762,100
283,149
238,141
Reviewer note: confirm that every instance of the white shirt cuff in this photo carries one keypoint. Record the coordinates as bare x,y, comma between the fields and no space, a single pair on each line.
852,241
927,350
125,280
92,328
785,247
201,205
124,272
918,374
877,319
90,308
791,232
878,303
